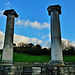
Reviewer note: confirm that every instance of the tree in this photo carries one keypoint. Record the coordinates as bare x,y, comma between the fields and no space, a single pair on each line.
30,45
38,46
14,45
66,44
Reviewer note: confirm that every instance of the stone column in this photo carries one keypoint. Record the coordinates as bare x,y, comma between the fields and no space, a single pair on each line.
7,56
56,49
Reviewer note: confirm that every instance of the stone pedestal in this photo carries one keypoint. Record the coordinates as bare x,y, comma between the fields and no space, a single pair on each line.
7,56
56,49
11,70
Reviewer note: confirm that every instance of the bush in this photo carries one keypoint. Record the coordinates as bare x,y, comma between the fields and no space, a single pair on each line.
31,51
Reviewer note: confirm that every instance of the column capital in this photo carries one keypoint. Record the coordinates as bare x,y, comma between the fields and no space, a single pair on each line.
11,11
54,7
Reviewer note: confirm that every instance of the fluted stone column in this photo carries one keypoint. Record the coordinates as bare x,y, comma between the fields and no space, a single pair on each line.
7,56
56,49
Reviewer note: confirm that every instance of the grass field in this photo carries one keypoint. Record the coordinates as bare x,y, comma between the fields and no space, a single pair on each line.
31,58
69,58
41,58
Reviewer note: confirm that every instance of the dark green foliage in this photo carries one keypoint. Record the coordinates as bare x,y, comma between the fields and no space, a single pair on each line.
1,50
37,50
69,58
70,51
31,51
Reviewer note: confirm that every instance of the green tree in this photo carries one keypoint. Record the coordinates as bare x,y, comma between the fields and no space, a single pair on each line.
30,45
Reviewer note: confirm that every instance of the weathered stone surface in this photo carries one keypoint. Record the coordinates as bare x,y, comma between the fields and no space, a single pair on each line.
11,11
7,56
45,69
10,70
54,7
56,49
27,71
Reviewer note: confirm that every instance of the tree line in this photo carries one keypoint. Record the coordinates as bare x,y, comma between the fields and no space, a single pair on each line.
38,50
31,49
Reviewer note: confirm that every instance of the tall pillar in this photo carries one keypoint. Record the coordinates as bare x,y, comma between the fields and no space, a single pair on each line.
56,49
7,56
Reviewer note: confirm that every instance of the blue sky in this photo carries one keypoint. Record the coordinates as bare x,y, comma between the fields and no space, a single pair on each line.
33,23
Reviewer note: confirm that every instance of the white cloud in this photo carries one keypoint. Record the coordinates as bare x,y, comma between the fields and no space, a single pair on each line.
49,36
8,3
18,39
1,13
47,44
19,22
1,39
39,42
67,44
34,24
43,36
45,25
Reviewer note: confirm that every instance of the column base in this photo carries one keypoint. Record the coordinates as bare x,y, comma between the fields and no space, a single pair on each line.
57,63
6,63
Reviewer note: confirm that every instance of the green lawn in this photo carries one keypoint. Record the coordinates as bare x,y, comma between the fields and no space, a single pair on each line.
31,58
41,58
69,58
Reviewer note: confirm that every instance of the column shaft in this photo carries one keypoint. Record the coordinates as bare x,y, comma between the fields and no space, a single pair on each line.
8,43
7,56
56,51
